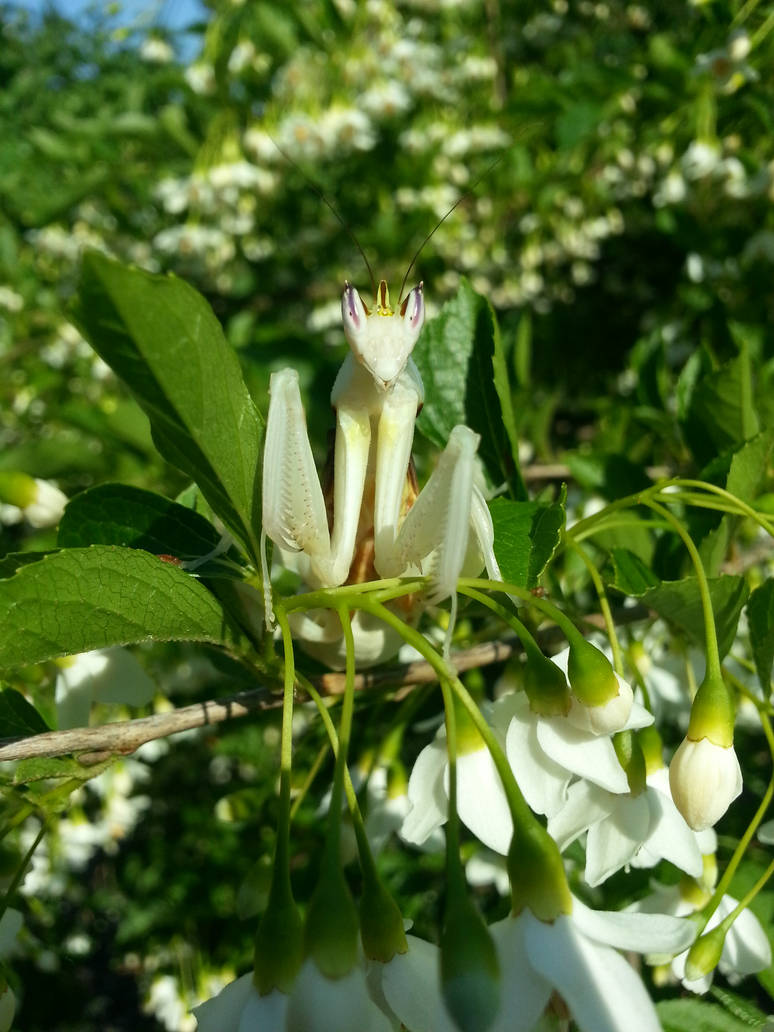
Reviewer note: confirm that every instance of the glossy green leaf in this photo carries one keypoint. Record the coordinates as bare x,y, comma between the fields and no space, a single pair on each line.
116,514
526,535
18,718
461,360
162,338
89,598
679,603
718,408
760,619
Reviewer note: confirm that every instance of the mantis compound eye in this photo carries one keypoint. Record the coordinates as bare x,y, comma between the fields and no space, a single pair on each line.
413,309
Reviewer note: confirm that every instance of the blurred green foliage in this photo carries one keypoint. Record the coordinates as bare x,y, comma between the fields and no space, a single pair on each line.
612,167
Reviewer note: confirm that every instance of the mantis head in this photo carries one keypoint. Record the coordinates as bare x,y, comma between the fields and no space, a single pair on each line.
382,340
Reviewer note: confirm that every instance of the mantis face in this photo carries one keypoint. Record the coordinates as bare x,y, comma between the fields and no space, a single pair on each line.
382,340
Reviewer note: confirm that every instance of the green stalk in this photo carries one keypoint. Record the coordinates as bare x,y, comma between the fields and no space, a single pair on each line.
710,633
604,605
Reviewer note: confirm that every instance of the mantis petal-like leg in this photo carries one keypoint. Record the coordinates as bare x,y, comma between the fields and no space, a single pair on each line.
294,515
353,440
395,436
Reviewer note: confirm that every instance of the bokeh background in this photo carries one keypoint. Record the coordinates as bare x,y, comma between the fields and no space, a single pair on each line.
612,165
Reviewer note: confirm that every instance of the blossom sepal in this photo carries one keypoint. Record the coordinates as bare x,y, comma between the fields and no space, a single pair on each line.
470,970
381,924
332,926
538,881
279,948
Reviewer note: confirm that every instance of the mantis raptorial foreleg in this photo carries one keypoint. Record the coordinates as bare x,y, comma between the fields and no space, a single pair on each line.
376,525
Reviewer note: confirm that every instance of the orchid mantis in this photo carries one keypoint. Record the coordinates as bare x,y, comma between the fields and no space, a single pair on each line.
372,522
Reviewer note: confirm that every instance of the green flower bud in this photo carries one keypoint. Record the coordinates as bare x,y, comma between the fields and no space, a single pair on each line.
591,674
546,686
381,924
712,713
17,489
470,972
631,758
652,748
704,955
279,947
537,874
332,926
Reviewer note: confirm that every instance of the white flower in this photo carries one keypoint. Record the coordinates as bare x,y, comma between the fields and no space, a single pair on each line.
546,752
481,802
746,949
156,51
10,299
104,675
705,779
571,955
700,159
625,828
200,77
606,718
385,99
316,1004
241,56
37,501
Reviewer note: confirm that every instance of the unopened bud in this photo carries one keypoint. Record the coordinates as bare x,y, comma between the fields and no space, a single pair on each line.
705,779
470,971
704,955
546,686
332,926
40,502
602,700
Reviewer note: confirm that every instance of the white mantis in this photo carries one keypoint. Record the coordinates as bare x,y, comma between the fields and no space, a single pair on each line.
373,524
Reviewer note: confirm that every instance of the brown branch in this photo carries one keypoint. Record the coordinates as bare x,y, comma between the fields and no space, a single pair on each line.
94,744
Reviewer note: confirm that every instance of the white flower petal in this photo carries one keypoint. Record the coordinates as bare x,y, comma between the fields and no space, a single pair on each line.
639,932
320,1004
429,805
266,1013
523,992
747,948
600,988
481,801
223,1012
669,837
543,782
613,842
586,804
639,717
411,983
585,755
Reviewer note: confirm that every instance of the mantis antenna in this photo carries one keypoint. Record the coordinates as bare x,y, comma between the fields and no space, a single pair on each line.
329,204
463,197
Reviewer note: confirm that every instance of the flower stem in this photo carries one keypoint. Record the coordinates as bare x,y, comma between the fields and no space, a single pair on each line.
710,632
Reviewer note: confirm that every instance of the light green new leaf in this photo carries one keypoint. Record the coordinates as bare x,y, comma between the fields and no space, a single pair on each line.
760,618
460,357
90,598
679,603
526,535
162,338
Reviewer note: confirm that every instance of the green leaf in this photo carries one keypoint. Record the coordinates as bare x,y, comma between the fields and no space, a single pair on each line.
89,598
697,1016
460,358
116,514
679,603
526,535
718,408
18,718
630,574
760,618
162,338
739,1007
